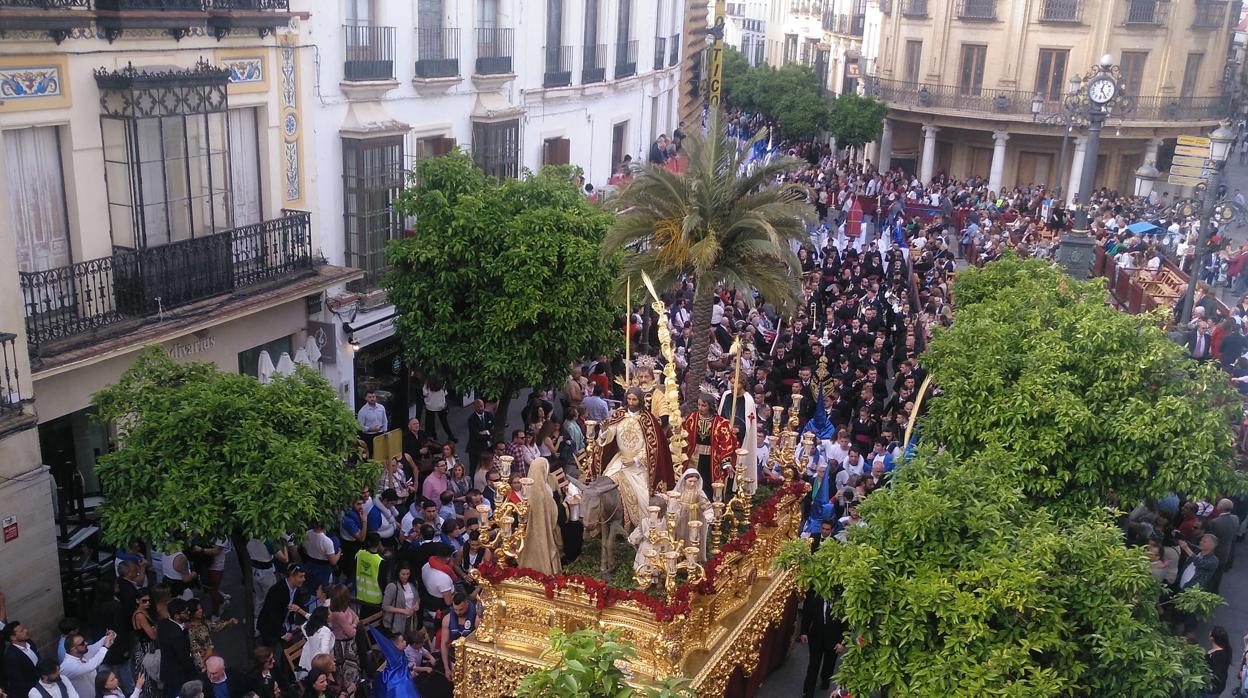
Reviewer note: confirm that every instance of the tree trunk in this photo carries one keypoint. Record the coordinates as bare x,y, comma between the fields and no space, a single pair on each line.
700,318
249,593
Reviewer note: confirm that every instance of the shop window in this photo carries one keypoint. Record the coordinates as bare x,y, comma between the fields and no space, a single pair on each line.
249,360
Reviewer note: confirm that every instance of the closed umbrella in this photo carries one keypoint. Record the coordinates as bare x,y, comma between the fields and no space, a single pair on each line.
301,357
314,350
264,367
286,365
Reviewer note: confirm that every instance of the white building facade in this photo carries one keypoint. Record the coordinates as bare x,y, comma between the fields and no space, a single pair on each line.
517,84
745,29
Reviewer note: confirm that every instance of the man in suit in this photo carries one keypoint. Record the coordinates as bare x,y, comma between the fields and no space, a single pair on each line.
20,659
176,665
824,632
277,616
220,682
129,580
1200,341
480,426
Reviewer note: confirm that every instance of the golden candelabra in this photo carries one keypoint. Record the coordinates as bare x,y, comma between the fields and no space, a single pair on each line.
502,529
784,443
735,511
663,559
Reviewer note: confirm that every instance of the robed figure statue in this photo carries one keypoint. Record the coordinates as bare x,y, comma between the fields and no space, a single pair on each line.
637,455
709,442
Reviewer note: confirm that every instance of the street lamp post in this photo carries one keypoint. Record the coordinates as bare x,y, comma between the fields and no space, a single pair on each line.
1221,141
1100,91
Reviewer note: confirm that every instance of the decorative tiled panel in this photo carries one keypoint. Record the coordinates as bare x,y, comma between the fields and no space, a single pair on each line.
244,70
30,83
291,126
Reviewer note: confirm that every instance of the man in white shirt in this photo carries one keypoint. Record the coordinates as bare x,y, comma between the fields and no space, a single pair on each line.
372,416
50,683
82,660
439,584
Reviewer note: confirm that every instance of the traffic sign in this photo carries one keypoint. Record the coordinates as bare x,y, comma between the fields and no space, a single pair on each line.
1186,171
1185,181
1198,141
1189,161
1193,151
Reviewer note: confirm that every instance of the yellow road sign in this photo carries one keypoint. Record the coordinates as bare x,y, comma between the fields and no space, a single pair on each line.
1185,181
1189,161
1192,151
1198,141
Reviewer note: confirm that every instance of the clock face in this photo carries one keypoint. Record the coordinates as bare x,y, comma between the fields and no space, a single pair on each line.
1102,90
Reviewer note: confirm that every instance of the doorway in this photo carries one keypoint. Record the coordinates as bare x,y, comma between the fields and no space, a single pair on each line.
1033,168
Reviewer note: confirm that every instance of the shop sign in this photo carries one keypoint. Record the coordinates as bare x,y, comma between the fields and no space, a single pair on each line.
190,346
10,528
325,336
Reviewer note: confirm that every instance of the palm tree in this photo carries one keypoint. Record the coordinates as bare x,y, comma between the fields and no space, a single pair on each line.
715,225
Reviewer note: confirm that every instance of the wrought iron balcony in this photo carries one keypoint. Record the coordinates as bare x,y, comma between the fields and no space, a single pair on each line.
494,51
625,59
1018,103
914,8
248,5
57,17
977,10
369,53
660,52
1151,13
674,47
77,298
437,53
1061,11
1209,14
11,397
593,63
558,64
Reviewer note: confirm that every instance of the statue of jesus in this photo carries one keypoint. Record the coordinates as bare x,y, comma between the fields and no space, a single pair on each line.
638,459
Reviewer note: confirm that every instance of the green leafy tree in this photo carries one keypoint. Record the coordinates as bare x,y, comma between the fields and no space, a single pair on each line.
855,120
502,287
589,664
790,95
736,69
1088,402
714,224
958,585
207,453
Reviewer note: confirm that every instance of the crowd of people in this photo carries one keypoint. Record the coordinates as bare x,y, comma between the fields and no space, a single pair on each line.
393,572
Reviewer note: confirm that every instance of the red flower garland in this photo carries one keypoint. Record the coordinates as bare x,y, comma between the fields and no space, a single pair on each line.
605,595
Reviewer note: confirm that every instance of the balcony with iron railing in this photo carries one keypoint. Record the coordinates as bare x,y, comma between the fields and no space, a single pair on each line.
1210,14
494,51
660,52
977,10
1061,11
674,48
369,53
1017,104
1146,13
13,400
593,63
914,8
57,17
437,53
78,298
557,66
625,59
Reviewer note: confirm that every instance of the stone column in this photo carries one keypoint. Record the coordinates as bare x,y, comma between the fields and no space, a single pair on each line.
997,170
927,165
886,147
1076,169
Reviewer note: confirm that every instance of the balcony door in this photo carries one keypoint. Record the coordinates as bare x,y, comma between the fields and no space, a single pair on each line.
245,190
1051,73
972,75
1191,73
37,198
359,12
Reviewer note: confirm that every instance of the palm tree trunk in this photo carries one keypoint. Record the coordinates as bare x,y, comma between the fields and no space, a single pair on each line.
700,318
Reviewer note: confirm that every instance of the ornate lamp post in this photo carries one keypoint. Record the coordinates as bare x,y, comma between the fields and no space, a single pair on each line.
1100,93
1221,150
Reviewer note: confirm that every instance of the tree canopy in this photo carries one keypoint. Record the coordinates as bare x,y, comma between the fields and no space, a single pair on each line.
790,95
958,585
856,120
204,452
502,286
1085,400
214,454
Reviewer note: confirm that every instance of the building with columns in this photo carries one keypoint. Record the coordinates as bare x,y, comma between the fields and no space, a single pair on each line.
975,87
